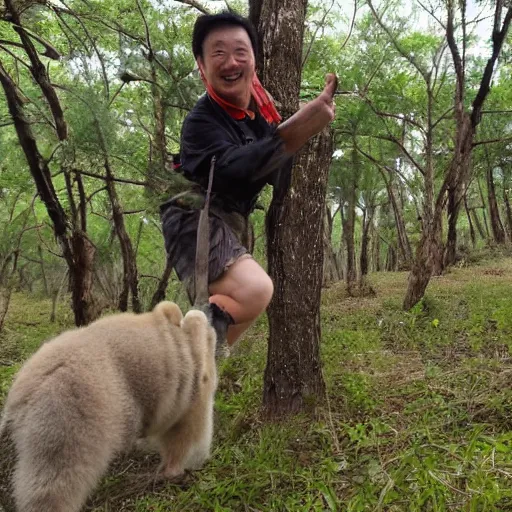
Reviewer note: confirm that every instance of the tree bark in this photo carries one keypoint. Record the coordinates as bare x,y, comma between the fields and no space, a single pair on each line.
478,224
404,244
331,272
293,378
486,235
470,222
365,240
130,274
494,212
159,294
508,211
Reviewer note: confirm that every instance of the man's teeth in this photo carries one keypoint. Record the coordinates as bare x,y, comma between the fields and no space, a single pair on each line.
232,78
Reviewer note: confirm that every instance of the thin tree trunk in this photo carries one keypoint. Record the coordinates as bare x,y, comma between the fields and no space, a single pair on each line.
331,271
508,211
471,228
375,240
159,294
130,274
487,235
477,223
43,273
404,244
494,212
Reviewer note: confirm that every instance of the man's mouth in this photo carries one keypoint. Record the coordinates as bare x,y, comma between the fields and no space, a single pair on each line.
232,78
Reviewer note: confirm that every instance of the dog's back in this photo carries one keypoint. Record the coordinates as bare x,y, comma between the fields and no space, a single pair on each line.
88,394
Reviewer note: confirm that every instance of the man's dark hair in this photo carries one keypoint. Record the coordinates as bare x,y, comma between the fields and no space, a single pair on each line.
208,22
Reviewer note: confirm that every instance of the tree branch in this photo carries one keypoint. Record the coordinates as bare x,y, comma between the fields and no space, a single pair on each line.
498,37
491,141
196,5
39,72
105,178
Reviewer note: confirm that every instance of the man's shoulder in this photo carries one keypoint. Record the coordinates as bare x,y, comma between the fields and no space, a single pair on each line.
205,118
203,108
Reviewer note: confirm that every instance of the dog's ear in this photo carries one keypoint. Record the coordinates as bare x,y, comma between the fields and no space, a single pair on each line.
170,311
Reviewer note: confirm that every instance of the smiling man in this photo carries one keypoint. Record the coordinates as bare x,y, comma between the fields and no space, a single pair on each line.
237,122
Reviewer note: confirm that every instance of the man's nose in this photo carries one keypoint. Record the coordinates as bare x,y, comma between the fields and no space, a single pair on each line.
231,60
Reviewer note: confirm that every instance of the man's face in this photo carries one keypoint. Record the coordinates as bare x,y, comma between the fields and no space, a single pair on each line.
228,64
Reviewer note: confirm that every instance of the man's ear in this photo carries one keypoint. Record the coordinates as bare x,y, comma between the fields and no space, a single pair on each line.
200,64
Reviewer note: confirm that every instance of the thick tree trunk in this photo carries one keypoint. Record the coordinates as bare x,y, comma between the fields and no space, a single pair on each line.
422,269
293,376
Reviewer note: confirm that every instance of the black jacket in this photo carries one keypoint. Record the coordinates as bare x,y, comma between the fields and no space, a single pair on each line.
249,154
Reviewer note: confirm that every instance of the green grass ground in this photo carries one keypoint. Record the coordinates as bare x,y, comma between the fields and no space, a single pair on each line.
419,415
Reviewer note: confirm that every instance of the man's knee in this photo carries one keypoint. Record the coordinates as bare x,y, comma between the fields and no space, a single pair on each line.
261,291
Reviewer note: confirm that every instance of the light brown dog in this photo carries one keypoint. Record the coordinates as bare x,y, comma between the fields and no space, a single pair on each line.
90,393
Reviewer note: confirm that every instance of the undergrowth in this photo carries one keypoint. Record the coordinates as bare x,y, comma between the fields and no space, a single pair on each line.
419,416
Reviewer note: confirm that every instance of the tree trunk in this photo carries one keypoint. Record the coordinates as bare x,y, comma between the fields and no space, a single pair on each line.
159,294
421,272
485,235
494,213
43,273
508,211
403,240
349,222
477,223
130,274
375,241
453,215
348,226
391,263
471,228
293,377
331,272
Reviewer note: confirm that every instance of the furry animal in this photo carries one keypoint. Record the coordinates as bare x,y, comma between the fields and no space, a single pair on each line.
90,393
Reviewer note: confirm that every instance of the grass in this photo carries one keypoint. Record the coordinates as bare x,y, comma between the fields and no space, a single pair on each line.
419,416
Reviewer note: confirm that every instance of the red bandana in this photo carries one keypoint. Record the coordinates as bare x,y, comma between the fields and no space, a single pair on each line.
263,101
